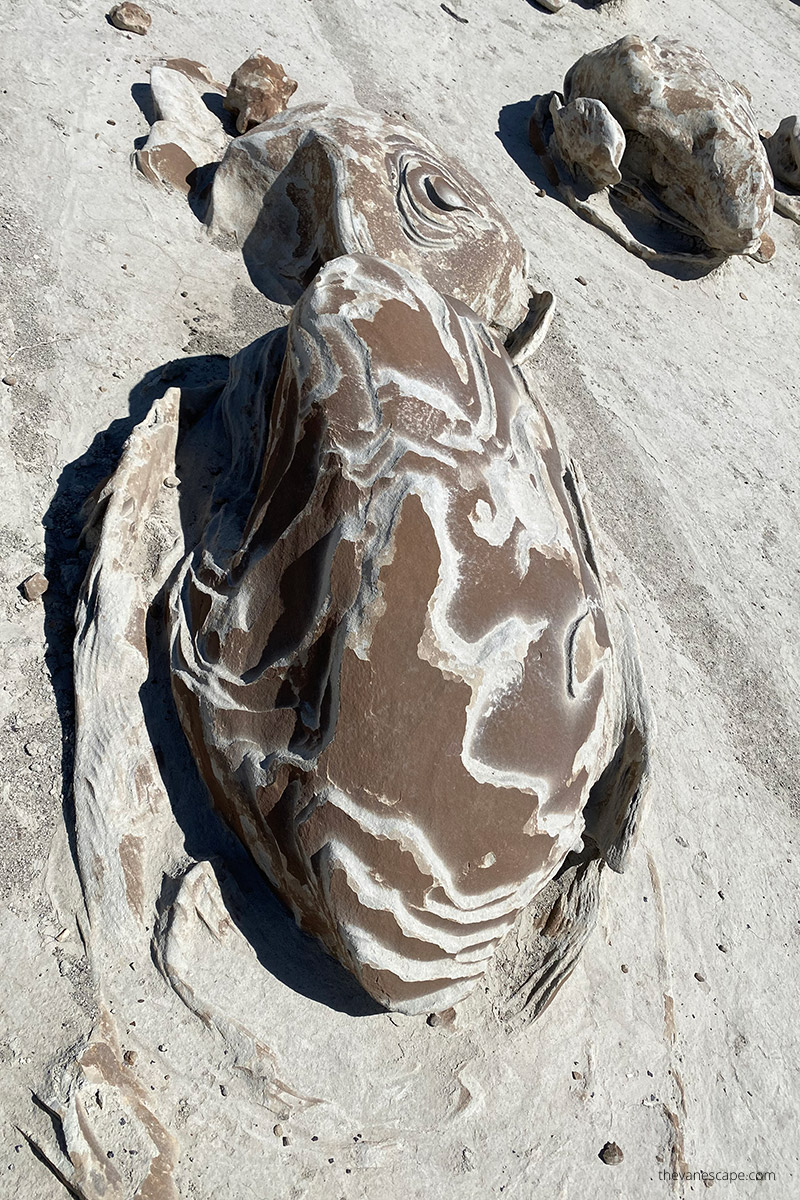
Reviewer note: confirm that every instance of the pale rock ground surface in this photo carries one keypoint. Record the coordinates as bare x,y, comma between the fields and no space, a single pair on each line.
679,398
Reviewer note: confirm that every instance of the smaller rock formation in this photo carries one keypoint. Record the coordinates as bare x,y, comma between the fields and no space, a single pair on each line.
130,18
259,89
591,140
656,123
783,151
186,134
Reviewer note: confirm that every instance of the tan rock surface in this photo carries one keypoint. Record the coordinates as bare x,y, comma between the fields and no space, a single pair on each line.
185,134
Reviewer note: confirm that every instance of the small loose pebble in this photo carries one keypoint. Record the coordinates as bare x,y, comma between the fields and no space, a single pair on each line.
611,1154
581,280
171,481
742,295
577,1075
129,1058
720,946
624,968
10,380
700,978
445,1019
35,586
110,122
278,1130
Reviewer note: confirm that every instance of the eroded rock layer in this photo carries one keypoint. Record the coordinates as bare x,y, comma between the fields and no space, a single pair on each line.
390,650
321,181
689,131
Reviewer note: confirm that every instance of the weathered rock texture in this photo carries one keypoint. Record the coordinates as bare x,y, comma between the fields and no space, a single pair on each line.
130,18
321,181
397,666
186,134
692,149
259,89
590,139
783,151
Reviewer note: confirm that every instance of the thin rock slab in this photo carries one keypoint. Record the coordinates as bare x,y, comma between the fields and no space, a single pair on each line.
398,668
692,157
320,181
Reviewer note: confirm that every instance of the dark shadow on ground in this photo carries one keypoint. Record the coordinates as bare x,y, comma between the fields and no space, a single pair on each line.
143,95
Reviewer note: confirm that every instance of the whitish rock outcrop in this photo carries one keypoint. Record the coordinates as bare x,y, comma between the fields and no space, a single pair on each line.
393,655
692,153
321,181
186,134
259,89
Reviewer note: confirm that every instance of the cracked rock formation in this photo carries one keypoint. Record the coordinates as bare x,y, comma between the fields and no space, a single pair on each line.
259,89
321,181
403,679
692,153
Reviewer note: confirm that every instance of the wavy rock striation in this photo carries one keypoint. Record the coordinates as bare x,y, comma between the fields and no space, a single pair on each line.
393,656
321,181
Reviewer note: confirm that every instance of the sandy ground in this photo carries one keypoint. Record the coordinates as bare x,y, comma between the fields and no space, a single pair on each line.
680,399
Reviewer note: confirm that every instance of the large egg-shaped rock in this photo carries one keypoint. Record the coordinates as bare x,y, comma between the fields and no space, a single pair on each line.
394,664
